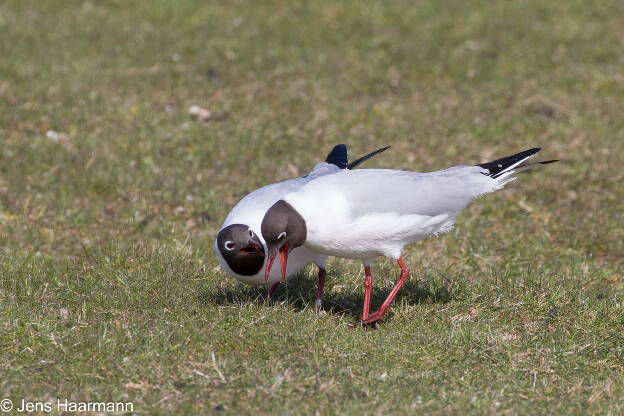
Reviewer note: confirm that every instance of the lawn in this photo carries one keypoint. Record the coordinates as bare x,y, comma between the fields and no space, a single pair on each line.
111,196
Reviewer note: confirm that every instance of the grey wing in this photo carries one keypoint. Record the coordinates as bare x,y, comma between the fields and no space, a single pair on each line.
320,169
406,193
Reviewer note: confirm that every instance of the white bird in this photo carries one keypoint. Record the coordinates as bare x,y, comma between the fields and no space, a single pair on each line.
368,213
241,250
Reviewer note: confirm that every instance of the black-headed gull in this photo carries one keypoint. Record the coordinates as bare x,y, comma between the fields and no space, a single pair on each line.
368,213
239,246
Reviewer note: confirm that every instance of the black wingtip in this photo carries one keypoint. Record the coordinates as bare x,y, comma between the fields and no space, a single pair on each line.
338,156
366,157
497,166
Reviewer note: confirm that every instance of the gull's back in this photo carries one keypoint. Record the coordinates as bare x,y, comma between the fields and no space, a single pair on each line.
371,212
251,209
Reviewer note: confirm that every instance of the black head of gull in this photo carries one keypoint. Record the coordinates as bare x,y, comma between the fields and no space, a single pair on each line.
241,249
283,229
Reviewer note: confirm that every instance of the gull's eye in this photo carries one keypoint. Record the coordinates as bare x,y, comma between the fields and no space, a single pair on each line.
281,235
229,245
251,234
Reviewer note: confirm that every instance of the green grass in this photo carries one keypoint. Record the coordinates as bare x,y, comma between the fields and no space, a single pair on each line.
109,289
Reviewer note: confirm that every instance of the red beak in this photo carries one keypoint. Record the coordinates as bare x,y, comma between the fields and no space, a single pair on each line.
253,247
283,259
267,270
283,251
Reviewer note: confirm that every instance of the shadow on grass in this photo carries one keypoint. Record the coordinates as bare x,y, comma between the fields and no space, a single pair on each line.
300,293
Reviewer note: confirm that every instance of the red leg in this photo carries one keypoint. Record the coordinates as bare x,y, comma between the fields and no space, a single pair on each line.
321,284
368,284
271,291
384,306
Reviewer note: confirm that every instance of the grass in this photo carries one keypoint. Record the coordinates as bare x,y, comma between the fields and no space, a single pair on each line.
109,289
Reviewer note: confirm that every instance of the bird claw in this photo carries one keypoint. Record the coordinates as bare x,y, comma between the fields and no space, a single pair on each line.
372,319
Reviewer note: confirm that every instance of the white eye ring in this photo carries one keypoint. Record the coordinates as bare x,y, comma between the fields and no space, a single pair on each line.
229,245
251,234
281,235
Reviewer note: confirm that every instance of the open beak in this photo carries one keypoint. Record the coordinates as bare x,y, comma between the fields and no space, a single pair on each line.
283,252
253,247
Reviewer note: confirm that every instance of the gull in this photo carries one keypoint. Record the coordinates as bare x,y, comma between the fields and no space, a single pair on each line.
239,246
368,213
